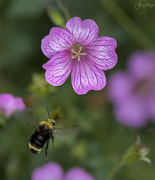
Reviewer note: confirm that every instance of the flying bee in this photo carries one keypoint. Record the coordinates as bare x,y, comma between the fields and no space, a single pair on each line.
42,135
46,131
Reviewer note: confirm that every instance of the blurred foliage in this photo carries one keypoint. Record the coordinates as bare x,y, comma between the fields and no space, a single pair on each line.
39,85
100,144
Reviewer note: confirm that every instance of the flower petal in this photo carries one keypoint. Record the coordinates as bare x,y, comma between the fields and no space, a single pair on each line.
85,76
76,173
102,52
120,86
142,64
150,105
58,68
83,31
50,170
10,104
131,113
4,98
57,41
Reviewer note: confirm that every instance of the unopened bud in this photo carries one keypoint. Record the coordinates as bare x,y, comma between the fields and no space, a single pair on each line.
138,151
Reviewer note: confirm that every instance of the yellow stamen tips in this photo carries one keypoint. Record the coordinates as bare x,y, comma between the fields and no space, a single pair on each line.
77,54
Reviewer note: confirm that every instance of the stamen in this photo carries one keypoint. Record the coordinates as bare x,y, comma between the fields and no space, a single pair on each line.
73,51
78,58
80,49
74,56
77,54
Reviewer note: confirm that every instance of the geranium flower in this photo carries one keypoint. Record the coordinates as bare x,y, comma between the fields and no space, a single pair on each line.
133,91
9,104
50,171
77,173
53,171
77,50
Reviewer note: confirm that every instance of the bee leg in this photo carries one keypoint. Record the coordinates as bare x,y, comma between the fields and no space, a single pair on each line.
25,148
46,150
52,141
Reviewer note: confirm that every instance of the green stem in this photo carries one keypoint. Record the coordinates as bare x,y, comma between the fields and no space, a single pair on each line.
130,27
114,170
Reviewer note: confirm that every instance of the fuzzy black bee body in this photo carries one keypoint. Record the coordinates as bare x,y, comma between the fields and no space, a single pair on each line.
43,133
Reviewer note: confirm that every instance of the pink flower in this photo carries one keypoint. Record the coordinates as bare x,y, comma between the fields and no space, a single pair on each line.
50,171
53,171
77,173
9,104
77,50
133,91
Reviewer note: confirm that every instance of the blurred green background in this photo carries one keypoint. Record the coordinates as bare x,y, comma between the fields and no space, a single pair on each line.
102,141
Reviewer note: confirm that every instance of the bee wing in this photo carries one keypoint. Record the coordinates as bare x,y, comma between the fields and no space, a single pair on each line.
26,117
67,131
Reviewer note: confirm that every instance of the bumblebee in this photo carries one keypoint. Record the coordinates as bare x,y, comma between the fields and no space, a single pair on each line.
42,135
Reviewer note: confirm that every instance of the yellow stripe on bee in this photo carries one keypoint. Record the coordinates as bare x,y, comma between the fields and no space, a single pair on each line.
48,123
34,148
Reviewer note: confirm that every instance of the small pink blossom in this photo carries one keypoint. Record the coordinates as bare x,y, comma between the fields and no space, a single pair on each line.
77,173
78,50
133,91
53,171
50,171
9,104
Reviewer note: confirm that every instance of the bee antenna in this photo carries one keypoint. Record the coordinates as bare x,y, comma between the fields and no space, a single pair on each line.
48,112
60,117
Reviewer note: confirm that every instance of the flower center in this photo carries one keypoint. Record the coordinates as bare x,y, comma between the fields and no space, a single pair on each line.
77,51
143,87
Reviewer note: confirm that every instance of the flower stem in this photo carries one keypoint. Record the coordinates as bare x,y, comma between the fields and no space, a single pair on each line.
116,168
130,27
